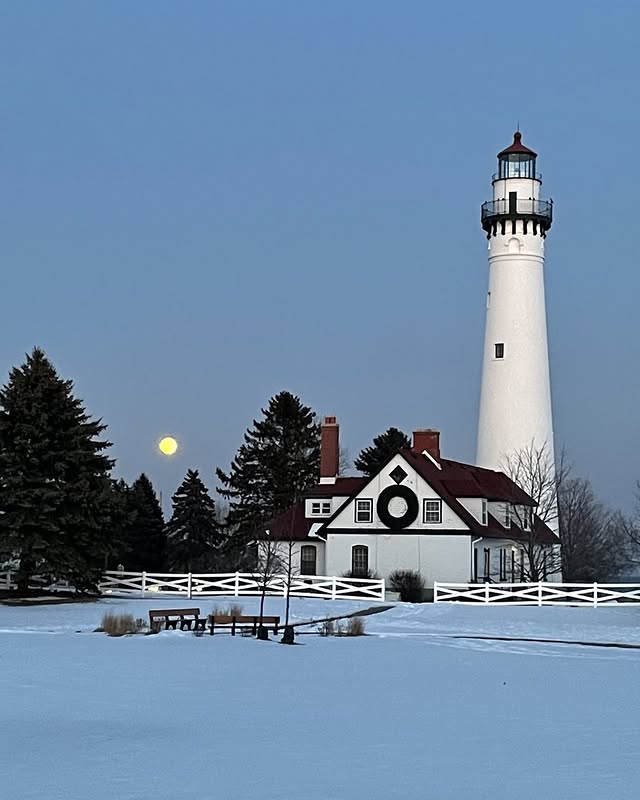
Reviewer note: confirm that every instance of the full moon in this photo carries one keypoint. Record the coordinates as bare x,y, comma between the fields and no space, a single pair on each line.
168,445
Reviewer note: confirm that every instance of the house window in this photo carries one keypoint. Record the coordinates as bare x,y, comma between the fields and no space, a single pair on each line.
484,518
503,563
507,515
475,565
527,519
432,511
487,564
308,559
364,510
320,508
499,349
359,561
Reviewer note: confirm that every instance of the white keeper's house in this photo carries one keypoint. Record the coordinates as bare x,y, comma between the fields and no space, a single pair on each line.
447,520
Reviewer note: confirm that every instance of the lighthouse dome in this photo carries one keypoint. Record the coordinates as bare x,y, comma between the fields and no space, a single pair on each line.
517,160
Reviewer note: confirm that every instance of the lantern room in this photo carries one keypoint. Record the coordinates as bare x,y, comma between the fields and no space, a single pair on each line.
517,161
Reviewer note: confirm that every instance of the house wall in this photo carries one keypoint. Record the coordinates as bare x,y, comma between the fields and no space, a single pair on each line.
495,546
473,506
282,552
436,557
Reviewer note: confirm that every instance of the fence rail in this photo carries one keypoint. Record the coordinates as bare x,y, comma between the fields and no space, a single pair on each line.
537,594
191,585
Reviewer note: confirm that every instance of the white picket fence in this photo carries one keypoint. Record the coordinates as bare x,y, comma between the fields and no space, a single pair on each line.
537,594
189,585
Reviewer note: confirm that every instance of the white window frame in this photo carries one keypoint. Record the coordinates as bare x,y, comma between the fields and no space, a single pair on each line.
320,508
484,512
507,515
427,512
306,548
367,508
362,549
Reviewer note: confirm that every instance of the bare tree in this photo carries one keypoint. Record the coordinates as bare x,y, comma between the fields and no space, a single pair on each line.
533,469
631,527
269,565
594,539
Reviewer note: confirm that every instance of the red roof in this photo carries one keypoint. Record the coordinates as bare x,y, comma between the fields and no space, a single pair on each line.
516,147
290,524
343,487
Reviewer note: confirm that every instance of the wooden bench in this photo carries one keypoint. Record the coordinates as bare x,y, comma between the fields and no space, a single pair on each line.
243,623
183,618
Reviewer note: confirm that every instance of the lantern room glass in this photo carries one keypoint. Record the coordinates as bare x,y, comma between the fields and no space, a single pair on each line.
517,165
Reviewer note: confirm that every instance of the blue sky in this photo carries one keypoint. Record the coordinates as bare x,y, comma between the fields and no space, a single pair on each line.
204,203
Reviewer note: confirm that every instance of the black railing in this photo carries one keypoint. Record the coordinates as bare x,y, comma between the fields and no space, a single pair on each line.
536,176
537,209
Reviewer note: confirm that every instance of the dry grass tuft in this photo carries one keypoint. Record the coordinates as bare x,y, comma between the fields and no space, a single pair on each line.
121,624
230,610
327,628
354,627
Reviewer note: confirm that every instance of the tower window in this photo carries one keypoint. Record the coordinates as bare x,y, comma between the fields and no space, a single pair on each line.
499,349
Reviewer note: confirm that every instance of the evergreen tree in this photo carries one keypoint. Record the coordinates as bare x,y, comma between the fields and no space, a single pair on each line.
145,537
385,446
194,537
279,459
57,506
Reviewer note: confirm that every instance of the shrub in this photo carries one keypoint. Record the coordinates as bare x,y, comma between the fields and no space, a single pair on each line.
409,584
370,574
230,610
121,624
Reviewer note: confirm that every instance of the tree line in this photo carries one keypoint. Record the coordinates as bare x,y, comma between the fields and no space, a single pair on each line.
64,515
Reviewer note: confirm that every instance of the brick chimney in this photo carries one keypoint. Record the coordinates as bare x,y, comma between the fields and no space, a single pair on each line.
329,450
427,439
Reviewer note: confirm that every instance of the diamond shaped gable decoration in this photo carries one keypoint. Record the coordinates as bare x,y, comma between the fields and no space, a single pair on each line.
398,474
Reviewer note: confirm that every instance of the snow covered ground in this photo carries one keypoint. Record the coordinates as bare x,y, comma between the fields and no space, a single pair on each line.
405,712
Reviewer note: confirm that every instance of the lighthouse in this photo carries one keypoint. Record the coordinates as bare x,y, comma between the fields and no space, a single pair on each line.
515,399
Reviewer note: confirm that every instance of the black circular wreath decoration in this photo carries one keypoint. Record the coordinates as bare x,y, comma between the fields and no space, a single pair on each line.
409,516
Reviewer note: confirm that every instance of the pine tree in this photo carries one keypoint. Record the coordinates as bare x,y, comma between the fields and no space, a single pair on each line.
279,459
385,446
56,498
194,537
145,537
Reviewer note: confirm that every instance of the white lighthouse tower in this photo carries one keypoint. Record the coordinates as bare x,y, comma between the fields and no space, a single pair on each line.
515,400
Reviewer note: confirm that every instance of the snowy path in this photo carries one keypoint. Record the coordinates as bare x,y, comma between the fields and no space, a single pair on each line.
406,712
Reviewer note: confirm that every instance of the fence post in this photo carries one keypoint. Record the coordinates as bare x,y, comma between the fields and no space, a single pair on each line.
435,591
144,583
486,593
383,589
8,580
189,585
539,593
237,584
595,595
333,588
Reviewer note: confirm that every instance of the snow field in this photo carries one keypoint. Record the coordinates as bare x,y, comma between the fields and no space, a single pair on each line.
405,712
